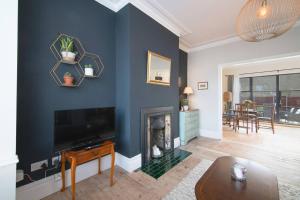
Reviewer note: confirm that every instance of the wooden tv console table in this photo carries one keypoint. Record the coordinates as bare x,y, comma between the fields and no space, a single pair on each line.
82,156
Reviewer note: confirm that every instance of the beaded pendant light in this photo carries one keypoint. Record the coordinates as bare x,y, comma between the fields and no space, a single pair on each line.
265,19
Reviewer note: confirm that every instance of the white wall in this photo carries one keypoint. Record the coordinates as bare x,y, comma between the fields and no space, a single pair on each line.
8,103
205,65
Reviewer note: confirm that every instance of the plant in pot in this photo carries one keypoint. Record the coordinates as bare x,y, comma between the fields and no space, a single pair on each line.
68,79
67,48
185,104
88,70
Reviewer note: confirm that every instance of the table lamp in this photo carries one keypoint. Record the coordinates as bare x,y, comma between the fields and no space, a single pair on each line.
188,91
227,97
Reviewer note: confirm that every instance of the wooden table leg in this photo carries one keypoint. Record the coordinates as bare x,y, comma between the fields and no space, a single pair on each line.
112,169
99,165
73,174
63,169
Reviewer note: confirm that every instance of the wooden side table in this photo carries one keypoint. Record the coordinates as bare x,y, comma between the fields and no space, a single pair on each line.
82,156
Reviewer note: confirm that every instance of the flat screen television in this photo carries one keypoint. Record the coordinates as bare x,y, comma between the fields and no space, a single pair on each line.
82,128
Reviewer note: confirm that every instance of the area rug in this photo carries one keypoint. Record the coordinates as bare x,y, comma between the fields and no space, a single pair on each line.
185,189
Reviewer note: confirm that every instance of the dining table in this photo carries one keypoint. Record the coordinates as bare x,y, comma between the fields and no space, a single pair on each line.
246,116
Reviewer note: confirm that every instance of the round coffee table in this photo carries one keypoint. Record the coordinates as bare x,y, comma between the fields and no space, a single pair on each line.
217,184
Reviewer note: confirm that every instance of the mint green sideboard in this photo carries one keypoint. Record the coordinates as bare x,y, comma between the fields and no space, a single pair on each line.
188,125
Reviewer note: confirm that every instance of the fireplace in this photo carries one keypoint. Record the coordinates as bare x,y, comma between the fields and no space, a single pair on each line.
156,132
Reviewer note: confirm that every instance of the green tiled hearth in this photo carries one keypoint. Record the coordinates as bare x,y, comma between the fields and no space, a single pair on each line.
158,167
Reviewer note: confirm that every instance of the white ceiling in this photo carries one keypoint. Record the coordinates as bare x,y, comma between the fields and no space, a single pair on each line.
199,23
208,21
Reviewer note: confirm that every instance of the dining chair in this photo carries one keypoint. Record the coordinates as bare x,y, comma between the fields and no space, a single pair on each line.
246,113
267,121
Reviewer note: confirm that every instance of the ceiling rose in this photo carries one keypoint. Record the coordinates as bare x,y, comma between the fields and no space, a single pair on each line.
265,19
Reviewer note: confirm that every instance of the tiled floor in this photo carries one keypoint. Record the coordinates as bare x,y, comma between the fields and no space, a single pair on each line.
158,167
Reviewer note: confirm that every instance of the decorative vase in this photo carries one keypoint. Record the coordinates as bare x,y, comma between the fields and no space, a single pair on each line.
185,107
68,56
238,172
89,71
68,80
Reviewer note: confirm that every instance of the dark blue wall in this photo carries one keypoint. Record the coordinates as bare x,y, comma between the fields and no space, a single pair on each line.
144,34
121,39
147,34
38,96
123,74
183,58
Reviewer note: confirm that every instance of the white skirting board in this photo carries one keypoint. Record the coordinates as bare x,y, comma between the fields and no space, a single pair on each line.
211,134
44,187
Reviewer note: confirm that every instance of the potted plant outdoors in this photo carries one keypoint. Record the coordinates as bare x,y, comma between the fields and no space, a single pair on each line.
68,79
185,104
88,70
67,48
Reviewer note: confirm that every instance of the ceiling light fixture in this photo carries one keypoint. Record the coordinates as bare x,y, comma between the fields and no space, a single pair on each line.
265,19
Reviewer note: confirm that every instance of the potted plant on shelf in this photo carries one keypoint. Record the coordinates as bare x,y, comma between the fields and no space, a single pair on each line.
68,79
185,104
88,70
66,49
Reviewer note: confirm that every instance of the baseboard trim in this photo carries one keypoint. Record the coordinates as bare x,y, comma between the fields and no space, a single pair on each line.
47,186
9,161
211,134
129,164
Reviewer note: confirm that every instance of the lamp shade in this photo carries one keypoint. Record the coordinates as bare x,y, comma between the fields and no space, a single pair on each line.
227,97
188,90
265,19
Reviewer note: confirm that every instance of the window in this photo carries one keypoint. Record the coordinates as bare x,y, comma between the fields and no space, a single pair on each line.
289,88
283,91
264,90
245,89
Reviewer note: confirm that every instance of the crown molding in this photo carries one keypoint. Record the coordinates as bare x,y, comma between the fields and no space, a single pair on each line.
215,43
221,41
155,14
109,4
121,4
171,18
183,47
153,10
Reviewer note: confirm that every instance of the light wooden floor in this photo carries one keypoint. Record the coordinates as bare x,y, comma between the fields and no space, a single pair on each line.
279,152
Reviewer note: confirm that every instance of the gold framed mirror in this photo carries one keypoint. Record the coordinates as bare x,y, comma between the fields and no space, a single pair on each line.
158,69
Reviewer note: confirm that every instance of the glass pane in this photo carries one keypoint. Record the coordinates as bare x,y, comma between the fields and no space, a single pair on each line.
265,102
244,96
289,82
264,83
264,98
290,107
244,84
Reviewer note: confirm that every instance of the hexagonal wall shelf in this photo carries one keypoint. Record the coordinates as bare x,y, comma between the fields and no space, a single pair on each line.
58,70
77,67
95,61
55,47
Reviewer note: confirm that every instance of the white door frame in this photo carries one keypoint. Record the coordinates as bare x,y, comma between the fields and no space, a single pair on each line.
220,79
8,100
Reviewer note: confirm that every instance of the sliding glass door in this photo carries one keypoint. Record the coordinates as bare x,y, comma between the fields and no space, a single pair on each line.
289,95
282,91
